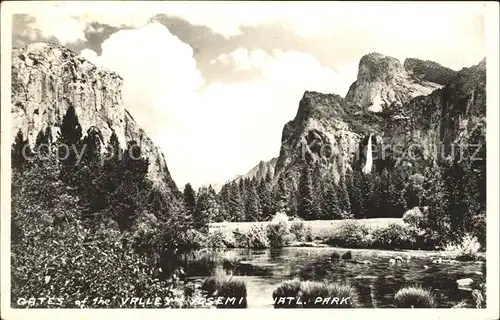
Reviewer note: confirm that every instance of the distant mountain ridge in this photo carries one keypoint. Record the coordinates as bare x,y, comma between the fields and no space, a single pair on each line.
259,171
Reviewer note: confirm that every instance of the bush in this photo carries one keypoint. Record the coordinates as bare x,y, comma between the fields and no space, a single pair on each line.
255,237
278,234
350,234
219,287
467,249
216,240
235,289
394,236
289,288
413,217
414,297
314,294
324,295
201,262
280,217
300,232
478,225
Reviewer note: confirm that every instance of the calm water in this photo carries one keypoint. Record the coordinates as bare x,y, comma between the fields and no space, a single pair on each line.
376,283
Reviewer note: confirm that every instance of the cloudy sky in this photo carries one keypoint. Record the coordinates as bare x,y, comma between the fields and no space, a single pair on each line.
214,83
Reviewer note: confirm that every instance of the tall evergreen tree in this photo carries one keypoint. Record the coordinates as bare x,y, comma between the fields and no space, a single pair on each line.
265,200
20,151
435,199
353,181
343,197
307,208
253,209
330,202
69,143
236,207
189,196
130,198
42,143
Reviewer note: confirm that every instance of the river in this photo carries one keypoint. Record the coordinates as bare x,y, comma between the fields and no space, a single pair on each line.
376,283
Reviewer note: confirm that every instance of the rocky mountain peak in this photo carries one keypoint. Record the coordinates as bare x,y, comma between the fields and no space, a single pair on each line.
382,81
375,66
48,78
429,71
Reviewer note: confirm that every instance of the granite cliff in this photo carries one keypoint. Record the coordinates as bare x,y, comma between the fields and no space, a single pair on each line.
47,78
260,171
420,106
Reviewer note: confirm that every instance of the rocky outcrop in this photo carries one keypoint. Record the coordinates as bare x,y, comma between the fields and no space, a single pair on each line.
384,80
334,132
431,71
47,78
260,171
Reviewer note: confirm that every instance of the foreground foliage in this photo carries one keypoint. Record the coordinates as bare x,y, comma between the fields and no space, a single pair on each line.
414,297
313,294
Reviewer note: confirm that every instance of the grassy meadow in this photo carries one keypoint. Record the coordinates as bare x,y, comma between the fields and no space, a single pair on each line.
321,229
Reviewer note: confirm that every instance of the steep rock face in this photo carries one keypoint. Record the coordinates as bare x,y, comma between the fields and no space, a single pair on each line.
334,132
429,71
384,80
47,78
259,171
318,133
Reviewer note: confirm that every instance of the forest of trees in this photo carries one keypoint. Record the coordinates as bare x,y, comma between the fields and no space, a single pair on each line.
112,186
453,192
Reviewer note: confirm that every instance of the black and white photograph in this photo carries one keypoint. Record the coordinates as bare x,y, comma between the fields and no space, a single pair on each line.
250,155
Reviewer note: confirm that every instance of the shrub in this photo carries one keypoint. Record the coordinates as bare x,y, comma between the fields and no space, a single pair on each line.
226,288
201,262
314,294
300,232
350,234
278,234
478,225
289,288
235,289
216,240
327,295
414,297
413,217
255,237
466,249
391,237
280,217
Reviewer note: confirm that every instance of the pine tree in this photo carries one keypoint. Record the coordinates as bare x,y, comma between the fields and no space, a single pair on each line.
435,199
20,151
307,208
42,143
253,209
353,182
268,178
69,142
343,197
207,209
367,187
189,197
130,197
330,202
236,208
265,200
397,202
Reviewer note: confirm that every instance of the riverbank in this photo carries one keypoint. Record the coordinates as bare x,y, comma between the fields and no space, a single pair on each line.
319,228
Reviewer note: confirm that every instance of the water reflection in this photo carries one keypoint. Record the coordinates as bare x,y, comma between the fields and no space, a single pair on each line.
376,283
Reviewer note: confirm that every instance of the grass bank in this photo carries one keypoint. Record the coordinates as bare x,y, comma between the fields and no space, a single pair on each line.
320,229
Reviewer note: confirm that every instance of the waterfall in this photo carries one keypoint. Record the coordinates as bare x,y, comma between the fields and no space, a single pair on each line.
369,160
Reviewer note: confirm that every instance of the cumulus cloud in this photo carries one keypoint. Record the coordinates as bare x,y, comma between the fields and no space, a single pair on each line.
209,135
